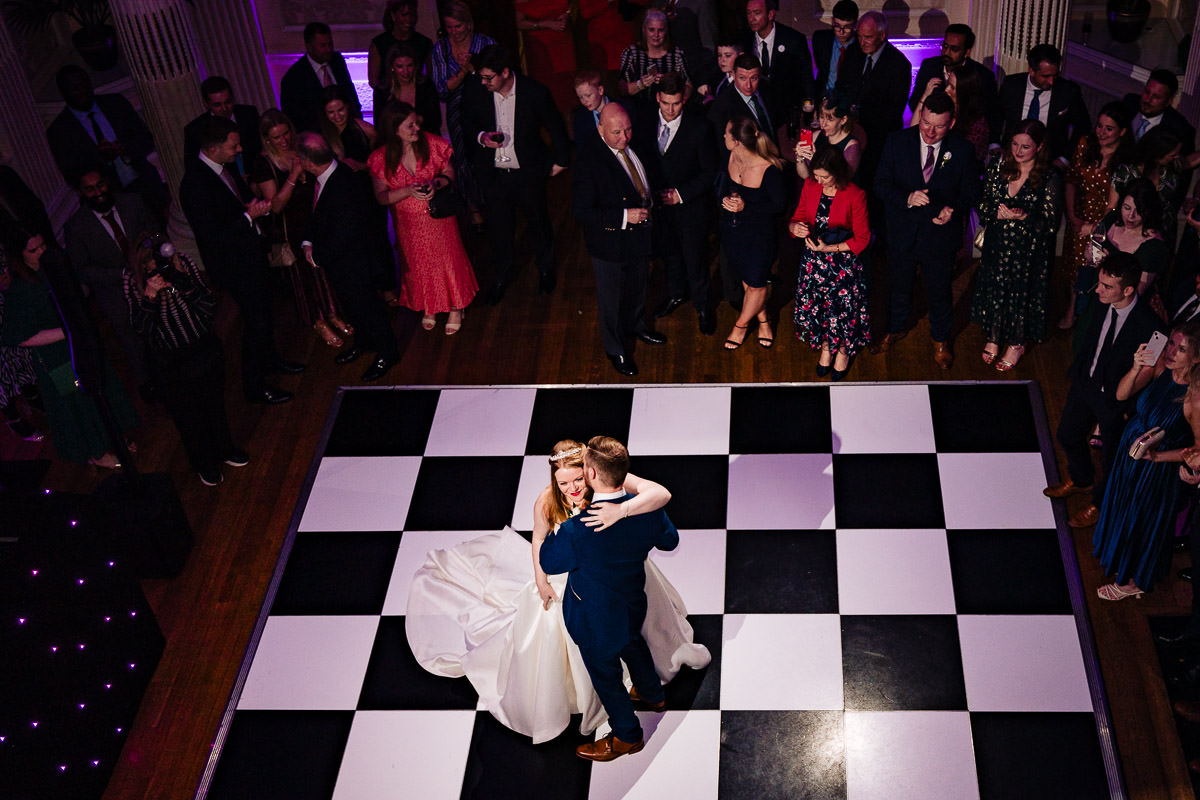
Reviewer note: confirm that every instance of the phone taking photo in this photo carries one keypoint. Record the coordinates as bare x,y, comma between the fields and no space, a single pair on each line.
806,138
1157,344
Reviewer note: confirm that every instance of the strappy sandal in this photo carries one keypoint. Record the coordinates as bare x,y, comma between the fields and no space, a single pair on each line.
453,326
733,344
989,356
327,335
765,342
428,322
1114,591
1004,365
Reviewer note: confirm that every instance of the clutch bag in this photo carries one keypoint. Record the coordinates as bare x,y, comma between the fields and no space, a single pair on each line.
1149,440
836,235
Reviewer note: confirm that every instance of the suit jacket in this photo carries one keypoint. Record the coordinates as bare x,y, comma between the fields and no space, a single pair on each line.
246,119
934,67
73,147
93,252
601,191
300,88
848,210
1172,121
882,96
690,163
1183,295
342,231
730,103
535,112
604,604
1067,117
231,247
955,183
1101,386
822,51
790,79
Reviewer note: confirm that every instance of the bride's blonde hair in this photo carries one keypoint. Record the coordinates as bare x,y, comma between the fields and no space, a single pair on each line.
566,454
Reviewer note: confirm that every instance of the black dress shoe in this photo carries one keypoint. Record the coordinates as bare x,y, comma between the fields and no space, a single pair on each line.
668,306
347,356
378,369
495,295
1185,574
1183,637
547,282
708,322
269,396
281,367
623,364
236,458
650,337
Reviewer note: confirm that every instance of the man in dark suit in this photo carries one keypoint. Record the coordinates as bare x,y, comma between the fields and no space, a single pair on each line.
604,605
783,56
957,43
1104,356
744,98
678,147
224,216
611,196
504,116
1152,108
877,74
340,239
218,100
829,45
1025,97
320,66
1185,305
100,237
104,129
928,181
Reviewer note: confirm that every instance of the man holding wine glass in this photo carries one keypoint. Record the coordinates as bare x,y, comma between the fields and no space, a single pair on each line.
505,114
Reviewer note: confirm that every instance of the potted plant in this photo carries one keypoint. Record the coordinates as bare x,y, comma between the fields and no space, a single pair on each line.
95,39
1127,19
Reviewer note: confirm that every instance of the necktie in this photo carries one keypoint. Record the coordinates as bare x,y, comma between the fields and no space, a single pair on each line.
326,76
867,69
927,170
1143,126
117,232
760,113
1035,105
664,136
96,132
634,176
1112,330
227,177
596,116
1189,308
316,193
765,59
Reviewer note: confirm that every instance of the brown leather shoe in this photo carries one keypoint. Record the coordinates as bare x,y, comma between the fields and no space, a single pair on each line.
641,705
943,355
885,344
1085,518
1188,709
608,748
1065,489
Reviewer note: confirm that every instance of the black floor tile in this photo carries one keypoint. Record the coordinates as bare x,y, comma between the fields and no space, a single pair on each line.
799,420
1008,572
574,414
337,573
902,663
475,493
1038,756
367,423
699,688
782,755
988,418
781,572
503,764
698,487
395,680
887,491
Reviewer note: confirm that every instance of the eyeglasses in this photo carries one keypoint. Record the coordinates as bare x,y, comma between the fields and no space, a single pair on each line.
487,78
843,28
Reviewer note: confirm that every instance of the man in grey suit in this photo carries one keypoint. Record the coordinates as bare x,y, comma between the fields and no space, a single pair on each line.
99,237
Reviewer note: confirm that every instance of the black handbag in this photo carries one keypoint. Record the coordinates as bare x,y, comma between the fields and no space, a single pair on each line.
446,201
837,235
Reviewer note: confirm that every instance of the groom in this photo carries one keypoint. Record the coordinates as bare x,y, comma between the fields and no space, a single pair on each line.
604,605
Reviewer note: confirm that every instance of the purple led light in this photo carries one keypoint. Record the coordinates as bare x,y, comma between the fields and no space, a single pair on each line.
82,645
45,491
74,522
108,686
132,665
108,619
62,767
112,563
20,620
53,648
34,723
81,706
133,613
35,572
81,581
95,763
120,729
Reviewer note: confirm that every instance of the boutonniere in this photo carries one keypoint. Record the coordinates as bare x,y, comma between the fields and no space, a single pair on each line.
945,158
779,48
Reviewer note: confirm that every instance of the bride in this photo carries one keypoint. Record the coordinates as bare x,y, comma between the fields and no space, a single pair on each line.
474,610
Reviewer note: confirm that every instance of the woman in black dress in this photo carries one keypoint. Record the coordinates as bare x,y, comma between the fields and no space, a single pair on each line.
407,85
399,28
753,196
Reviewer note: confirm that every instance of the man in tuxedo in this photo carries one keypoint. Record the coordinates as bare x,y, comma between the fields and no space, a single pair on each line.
217,94
783,56
604,605
678,147
1041,94
877,74
224,216
928,181
504,117
957,43
100,237
104,128
611,197
829,45
340,239
320,66
1104,356
585,120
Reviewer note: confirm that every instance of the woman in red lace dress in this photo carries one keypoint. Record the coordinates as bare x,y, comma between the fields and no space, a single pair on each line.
405,172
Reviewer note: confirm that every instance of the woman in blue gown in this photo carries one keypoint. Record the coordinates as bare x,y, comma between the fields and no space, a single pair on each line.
1140,502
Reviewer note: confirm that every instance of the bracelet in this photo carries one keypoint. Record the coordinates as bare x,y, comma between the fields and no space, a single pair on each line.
289,183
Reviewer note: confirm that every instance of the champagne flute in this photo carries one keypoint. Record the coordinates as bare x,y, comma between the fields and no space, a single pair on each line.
733,221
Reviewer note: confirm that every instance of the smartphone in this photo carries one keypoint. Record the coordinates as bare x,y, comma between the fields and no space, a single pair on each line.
1156,344
806,138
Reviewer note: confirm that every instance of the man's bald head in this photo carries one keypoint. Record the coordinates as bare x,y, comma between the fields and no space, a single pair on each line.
615,128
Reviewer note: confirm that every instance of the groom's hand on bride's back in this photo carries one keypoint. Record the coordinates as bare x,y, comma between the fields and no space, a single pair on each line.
603,515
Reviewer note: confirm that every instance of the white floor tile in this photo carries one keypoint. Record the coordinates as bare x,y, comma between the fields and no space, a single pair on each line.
392,754
361,494
785,662
1023,663
535,476
994,490
312,663
481,422
791,491
894,572
910,754
414,545
697,570
881,418
680,760
691,419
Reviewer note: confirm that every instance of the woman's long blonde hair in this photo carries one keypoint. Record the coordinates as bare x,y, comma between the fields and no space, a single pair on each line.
566,454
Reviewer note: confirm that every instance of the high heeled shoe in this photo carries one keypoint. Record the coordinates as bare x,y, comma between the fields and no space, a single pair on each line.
989,356
428,322
1006,365
823,370
327,335
734,344
838,374
765,342
453,324
1114,591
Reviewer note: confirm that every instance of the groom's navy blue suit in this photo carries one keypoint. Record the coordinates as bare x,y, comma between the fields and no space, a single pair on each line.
604,605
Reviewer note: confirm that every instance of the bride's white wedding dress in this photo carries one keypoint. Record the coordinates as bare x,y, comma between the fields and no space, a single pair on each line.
474,610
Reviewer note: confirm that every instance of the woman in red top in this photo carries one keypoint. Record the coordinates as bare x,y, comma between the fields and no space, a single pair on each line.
831,293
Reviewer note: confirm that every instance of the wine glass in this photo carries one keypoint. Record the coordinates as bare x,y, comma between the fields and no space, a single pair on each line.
499,138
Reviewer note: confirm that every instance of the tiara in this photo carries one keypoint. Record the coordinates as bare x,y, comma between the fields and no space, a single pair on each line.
566,453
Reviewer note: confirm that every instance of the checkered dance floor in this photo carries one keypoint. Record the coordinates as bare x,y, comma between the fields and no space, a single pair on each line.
874,568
